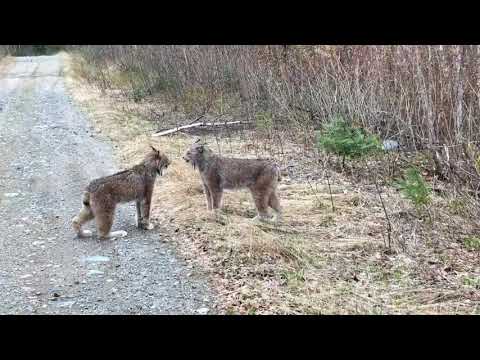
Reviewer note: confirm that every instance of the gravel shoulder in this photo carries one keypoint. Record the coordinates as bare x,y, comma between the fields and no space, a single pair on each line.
49,154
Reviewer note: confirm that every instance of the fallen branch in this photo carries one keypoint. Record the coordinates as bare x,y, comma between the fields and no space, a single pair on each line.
198,124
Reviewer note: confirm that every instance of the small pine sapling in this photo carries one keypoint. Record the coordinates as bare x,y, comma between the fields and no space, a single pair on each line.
342,139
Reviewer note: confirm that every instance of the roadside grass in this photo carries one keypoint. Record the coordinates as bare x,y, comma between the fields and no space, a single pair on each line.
5,63
317,261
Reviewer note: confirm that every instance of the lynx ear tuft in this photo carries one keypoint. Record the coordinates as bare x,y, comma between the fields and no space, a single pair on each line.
154,149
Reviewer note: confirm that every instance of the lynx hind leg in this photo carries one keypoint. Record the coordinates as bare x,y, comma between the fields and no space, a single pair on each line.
104,219
274,203
85,215
261,202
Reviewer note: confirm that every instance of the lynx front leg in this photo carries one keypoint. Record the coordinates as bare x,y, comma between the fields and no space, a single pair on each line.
216,198
145,223
139,218
208,196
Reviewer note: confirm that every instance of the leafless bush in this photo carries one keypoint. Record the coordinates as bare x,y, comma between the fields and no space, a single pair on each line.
29,50
425,97
8,49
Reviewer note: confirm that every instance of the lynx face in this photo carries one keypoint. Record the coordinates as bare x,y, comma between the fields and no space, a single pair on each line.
195,155
157,161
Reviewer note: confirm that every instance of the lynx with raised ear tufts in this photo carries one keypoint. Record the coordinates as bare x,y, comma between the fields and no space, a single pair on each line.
219,173
135,184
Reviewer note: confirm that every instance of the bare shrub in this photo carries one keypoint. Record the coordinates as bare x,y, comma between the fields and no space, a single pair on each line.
424,97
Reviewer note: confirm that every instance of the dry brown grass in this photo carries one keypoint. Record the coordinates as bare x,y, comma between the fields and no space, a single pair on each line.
5,63
316,261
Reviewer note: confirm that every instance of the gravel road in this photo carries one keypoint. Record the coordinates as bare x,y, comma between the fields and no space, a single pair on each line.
48,154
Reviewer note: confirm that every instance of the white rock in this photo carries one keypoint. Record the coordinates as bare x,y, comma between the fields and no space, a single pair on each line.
95,272
65,303
95,258
390,145
203,311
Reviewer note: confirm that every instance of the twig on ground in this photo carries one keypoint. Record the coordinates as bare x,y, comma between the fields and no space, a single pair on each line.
330,191
314,191
389,225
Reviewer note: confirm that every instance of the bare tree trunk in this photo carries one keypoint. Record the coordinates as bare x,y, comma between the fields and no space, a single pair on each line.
432,134
459,80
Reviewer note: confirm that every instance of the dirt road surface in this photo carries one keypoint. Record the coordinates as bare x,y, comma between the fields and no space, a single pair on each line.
48,154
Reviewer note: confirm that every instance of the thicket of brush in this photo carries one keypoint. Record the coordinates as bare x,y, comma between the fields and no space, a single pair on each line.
29,50
425,97
4,50
330,243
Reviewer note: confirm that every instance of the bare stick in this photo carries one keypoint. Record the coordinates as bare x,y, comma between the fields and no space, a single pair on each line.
198,118
314,192
389,225
180,128
330,191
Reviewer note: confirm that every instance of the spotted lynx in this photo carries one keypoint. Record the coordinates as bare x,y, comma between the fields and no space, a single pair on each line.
218,173
135,184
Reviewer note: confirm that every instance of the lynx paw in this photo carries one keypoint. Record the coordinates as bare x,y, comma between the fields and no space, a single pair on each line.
262,219
149,226
219,217
118,233
146,226
138,221
85,233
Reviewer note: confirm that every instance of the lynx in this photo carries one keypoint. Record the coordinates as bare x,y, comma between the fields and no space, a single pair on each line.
135,184
218,173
